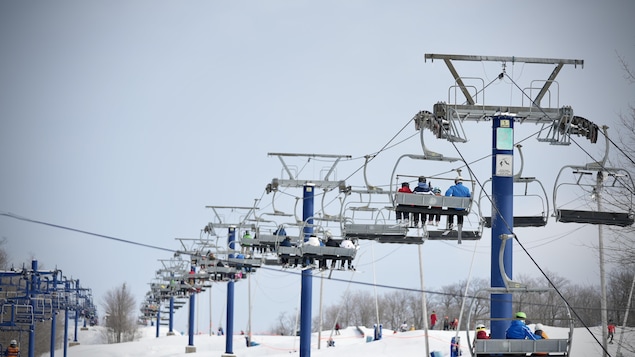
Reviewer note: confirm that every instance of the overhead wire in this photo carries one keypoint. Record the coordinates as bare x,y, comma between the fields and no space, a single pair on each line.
25,219
266,268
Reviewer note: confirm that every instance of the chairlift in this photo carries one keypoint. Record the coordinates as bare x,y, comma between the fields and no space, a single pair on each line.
595,181
537,198
430,204
371,220
510,347
302,254
490,347
18,313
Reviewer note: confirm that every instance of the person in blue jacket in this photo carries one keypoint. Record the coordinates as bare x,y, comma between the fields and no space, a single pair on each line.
518,330
458,190
422,188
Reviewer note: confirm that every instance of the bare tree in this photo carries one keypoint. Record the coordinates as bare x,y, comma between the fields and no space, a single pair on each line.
619,284
285,325
622,247
396,309
361,306
4,257
120,307
585,300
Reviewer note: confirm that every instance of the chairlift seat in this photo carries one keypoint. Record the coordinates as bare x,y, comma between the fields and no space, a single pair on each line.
271,260
553,347
221,269
328,252
621,219
522,221
401,240
374,231
454,235
269,240
246,262
289,251
422,203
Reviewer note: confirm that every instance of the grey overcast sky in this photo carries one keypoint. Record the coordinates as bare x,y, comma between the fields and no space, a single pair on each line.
127,118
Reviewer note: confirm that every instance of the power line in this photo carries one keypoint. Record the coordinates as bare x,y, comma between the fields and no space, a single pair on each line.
25,219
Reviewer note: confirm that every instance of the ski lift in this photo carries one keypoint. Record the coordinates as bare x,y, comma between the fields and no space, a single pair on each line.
306,253
510,347
17,313
370,220
596,180
506,347
537,197
430,204
383,233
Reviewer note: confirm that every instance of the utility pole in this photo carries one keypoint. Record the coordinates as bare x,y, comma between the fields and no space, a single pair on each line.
597,192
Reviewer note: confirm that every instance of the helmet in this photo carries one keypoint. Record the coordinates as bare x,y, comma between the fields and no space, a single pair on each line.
328,234
521,315
436,190
458,178
13,342
480,327
539,327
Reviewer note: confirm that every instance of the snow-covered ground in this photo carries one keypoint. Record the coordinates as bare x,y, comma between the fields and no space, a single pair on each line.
350,343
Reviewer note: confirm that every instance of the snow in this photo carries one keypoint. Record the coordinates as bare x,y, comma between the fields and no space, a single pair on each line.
351,343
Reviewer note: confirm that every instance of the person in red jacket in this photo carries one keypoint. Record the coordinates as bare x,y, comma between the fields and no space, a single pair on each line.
403,217
611,330
481,334
433,319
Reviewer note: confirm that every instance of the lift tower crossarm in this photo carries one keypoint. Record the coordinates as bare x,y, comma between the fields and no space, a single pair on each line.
558,62
575,62
294,182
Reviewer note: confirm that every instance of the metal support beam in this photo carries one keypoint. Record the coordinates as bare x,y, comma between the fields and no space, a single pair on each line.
502,220
547,84
229,322
459,81
512,59
307,276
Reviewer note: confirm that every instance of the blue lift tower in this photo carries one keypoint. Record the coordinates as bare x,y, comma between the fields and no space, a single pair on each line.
466,103
308,196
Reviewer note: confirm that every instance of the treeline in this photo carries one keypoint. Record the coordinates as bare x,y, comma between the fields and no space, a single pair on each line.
391,309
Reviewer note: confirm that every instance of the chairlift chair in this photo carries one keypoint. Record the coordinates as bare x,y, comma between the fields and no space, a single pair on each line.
510,347
596,180
537,197
371,220
431,204
305,253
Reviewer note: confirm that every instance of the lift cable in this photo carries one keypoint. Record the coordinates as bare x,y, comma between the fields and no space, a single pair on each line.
25,219
575,311
126,241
